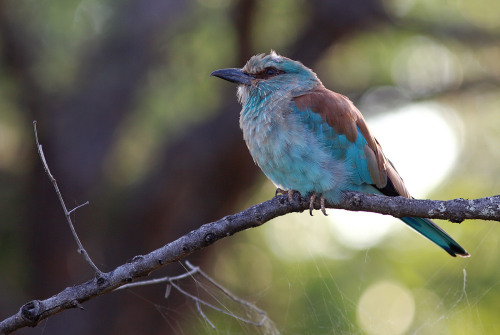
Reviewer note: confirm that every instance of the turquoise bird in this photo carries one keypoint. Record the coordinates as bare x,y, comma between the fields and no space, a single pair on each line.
309,139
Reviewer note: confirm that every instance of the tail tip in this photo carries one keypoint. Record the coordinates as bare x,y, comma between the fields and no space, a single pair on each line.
457,250
464,254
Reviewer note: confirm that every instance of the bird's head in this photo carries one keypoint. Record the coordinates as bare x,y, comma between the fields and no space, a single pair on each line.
264,75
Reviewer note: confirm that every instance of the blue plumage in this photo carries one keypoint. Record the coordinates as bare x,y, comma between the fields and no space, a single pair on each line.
311,140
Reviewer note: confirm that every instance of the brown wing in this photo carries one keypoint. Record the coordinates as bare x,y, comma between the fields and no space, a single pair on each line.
341,114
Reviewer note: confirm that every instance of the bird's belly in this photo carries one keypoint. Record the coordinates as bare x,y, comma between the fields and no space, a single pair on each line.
294,159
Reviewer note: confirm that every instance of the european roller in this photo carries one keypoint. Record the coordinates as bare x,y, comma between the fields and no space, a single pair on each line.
309,139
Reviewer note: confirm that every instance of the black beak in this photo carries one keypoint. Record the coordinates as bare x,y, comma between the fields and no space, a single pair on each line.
233,75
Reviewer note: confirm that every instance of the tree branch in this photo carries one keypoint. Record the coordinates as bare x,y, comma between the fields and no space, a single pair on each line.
67,213
455,210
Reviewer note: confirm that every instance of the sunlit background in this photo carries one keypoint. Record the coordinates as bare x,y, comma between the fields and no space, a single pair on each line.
131,121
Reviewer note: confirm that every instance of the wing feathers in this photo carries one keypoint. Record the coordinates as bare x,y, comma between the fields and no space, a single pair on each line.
323,102
378,175
341,114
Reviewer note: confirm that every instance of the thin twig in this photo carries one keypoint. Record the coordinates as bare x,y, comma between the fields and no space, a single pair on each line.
74,209
67,213
224,290
198,307
196,299
196,270
158,280
168,290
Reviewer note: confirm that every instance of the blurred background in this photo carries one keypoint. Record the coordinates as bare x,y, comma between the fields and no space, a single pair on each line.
131,121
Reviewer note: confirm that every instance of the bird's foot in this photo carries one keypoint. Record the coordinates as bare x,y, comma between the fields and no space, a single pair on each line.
322,204
311,203
323,207
281,191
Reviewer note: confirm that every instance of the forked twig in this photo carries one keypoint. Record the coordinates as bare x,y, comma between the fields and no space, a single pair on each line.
226,292
171,282
67,213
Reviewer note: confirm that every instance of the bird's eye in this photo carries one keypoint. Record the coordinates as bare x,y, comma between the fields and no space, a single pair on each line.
271,71
267,73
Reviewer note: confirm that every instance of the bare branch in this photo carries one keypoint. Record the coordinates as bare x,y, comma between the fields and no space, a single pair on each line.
455,210
67,213
33,312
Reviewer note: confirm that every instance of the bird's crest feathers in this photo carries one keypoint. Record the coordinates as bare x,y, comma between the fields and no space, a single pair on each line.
260,62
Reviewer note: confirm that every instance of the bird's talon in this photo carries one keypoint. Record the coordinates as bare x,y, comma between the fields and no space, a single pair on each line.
311,204
323,207
289,192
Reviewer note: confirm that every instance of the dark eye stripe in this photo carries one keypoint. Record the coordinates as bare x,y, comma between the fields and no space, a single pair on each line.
268,72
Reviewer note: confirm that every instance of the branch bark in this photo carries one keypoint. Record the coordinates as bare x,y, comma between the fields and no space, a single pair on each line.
455,210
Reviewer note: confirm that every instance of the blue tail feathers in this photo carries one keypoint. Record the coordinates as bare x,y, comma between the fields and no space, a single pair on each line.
430,230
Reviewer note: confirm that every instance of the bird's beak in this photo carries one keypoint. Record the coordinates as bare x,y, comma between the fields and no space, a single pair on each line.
233,75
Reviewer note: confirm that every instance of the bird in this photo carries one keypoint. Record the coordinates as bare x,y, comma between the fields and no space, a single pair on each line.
308,139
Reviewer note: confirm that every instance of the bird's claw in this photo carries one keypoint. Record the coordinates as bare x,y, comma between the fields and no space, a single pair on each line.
322,204
281,191
311,204
323,207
